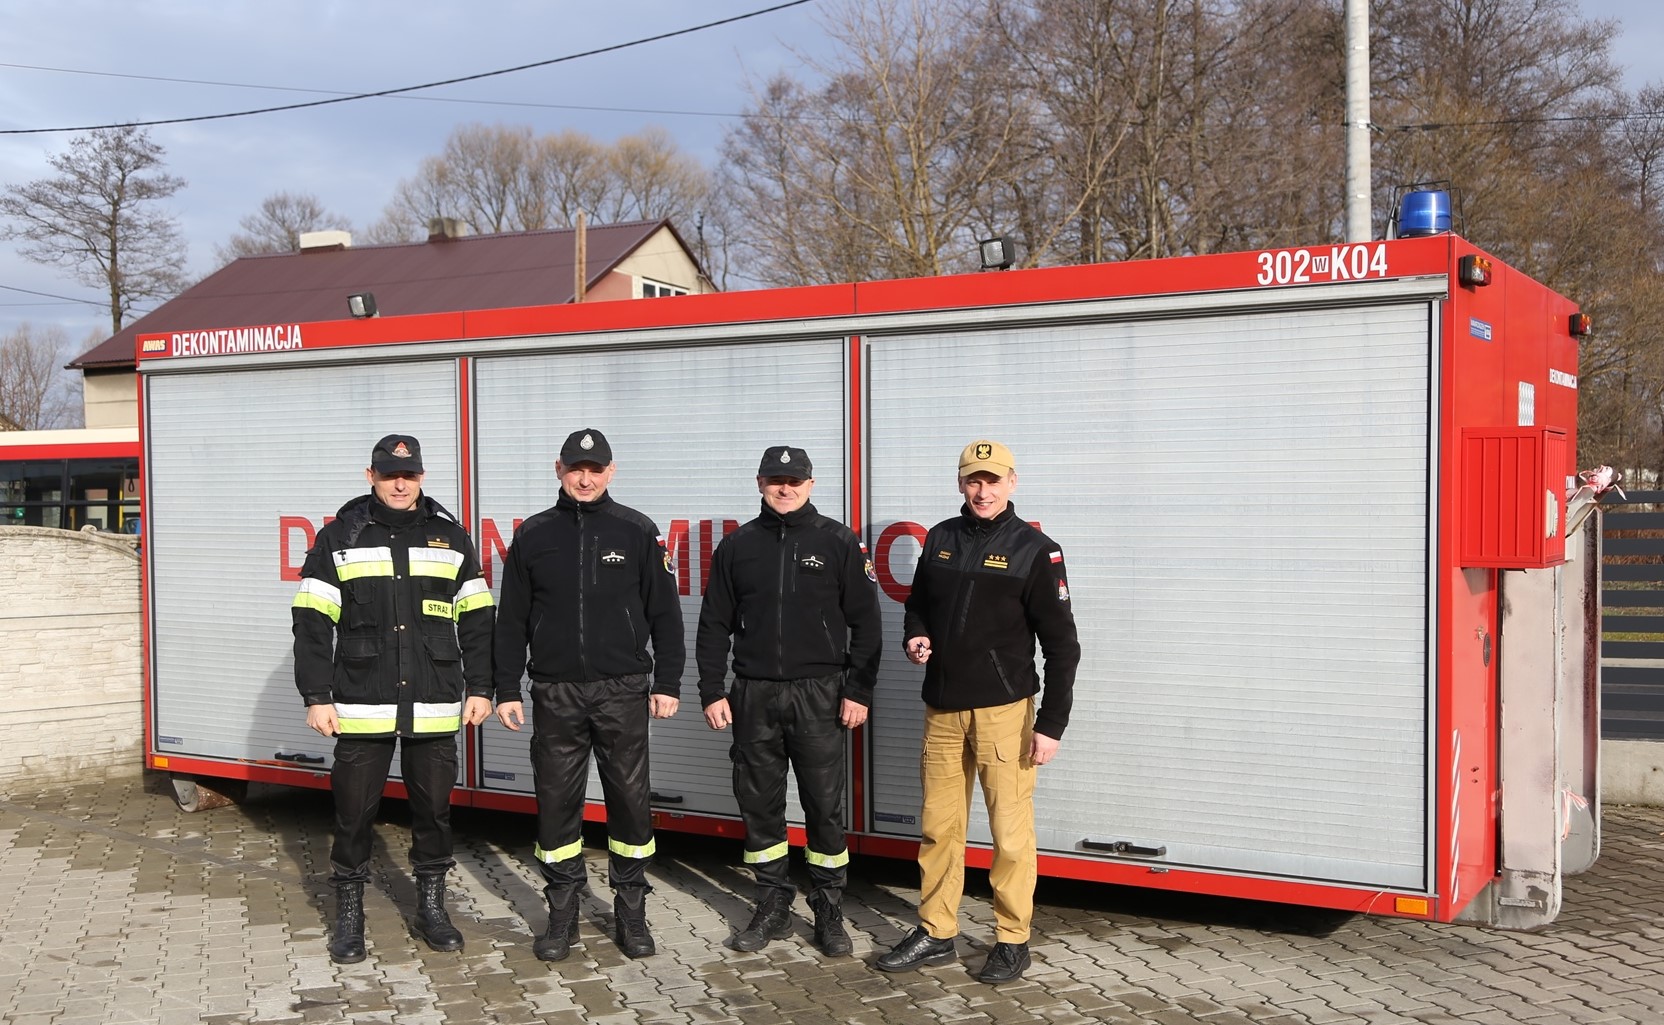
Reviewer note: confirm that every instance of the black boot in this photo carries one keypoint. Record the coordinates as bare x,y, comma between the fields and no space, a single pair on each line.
772,920
432,925
346,943
556,942
629,907
830,935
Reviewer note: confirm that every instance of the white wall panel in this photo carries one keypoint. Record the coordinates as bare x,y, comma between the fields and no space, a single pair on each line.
1243,502
687,426
228,455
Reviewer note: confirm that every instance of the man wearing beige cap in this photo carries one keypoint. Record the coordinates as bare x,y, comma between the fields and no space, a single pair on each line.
988,585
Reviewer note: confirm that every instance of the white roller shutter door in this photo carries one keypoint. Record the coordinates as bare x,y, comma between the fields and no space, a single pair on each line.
1244,504
687,426
228,454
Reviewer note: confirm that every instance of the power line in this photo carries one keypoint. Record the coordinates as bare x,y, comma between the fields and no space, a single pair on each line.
50,295
349,94
413,88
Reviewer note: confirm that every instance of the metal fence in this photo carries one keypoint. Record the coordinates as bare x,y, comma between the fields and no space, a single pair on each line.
1632,618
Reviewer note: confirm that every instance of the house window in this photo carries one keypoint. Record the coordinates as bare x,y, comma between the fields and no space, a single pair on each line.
656,289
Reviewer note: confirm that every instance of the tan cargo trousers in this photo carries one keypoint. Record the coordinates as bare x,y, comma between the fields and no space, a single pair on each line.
991,745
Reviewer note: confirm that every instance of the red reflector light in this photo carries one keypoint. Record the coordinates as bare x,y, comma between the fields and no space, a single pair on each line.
1474,271
1579,325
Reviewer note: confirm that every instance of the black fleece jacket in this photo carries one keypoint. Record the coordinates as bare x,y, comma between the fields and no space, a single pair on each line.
983,592
797,596
586,585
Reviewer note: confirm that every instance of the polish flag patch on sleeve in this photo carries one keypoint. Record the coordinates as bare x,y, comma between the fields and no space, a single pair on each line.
1057,557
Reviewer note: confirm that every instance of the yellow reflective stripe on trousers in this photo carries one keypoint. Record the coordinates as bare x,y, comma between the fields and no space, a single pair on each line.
352,563
767,854
367,718
435,562
571,850
838,860
630,850
473,594
436,717
320,597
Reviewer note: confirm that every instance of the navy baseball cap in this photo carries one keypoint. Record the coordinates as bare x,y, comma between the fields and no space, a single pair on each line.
396,453
785,461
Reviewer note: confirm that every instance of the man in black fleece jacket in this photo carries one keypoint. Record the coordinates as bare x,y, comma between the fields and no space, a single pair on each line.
797,596
585,585
987,586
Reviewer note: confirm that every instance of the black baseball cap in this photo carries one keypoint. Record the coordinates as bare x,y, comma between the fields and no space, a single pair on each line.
785,461
396,453
586,445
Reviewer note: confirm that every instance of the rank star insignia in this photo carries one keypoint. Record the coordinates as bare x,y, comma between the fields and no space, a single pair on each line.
612,557
438,542
814,562
996,562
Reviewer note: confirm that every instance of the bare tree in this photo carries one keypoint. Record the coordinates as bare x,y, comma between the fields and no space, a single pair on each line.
277,226
503,178
34,392
98,217
882,171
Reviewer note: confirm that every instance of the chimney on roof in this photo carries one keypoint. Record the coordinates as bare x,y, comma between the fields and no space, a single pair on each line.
310,240
443,229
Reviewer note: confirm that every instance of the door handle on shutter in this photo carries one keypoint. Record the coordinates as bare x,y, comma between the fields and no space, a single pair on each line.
298,758
654,797
1123,847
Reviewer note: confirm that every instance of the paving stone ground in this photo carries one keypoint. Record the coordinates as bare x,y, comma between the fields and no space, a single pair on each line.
118,907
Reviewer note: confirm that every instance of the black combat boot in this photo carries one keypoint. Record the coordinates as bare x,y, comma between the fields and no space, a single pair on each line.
772,920
431,924
830,935
629,906
346,943
556,942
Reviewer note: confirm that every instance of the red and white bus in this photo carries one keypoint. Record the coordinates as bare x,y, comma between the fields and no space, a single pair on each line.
87,477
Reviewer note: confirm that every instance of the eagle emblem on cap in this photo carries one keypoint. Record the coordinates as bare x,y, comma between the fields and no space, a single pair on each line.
587,443
401,450
785,455
984,451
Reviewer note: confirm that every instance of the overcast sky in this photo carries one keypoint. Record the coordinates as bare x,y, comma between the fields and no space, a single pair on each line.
74,63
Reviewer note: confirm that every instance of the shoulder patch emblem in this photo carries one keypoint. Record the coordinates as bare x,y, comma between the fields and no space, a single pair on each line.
872,574
1062,591
1056,557
996,562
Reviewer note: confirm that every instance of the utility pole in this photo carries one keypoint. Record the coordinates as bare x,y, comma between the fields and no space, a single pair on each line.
1357,121
580,260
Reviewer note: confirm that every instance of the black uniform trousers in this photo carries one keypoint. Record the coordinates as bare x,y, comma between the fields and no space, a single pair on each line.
791,722
569,720
428,766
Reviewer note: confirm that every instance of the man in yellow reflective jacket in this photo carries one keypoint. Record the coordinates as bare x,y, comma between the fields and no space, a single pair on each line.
393,649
